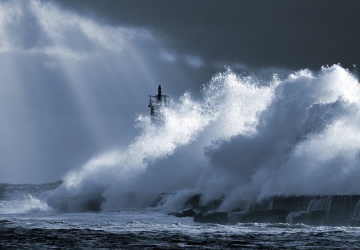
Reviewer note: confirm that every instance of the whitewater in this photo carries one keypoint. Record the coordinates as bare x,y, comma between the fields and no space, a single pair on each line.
245,140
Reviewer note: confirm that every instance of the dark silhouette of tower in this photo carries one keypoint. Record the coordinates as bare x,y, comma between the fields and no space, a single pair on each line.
159,93
155,103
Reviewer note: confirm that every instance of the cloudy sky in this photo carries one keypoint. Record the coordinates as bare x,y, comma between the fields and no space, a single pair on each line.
75,74
255,33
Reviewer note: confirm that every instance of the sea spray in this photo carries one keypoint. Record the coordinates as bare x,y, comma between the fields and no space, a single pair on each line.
25,198
281,158
168,155
244,140
27,204
120,168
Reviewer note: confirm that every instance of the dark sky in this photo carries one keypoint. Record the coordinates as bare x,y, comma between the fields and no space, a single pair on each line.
279,33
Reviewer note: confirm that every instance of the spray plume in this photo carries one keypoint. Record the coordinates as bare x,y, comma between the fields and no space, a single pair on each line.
244,140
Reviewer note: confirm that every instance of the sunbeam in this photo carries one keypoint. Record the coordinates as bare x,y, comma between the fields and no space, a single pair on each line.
77,83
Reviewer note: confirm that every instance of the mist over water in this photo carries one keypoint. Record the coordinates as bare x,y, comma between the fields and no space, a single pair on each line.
244,140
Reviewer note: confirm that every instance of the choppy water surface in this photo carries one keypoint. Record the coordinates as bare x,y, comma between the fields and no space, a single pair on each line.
151,229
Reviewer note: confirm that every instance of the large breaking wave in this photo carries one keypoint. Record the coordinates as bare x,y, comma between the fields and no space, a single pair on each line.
245,139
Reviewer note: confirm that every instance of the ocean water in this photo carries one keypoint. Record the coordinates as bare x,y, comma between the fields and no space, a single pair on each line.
26,221
150,229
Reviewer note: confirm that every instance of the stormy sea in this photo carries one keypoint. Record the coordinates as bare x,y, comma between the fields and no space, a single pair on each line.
246,161
250,164
27,222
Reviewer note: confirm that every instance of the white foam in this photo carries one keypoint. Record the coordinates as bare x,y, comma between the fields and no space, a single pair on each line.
29,204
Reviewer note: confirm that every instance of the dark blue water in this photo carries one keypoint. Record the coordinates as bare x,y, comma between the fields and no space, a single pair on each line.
151,229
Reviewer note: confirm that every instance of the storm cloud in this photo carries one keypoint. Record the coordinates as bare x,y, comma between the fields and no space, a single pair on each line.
256,33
